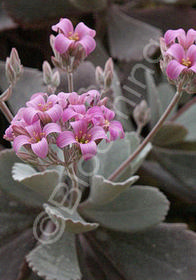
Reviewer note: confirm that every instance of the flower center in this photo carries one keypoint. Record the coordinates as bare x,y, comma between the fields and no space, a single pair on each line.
45,107
73,36
36,137
186,62
83,139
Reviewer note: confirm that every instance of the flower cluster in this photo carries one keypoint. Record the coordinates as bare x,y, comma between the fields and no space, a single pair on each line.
71,43
179,54
69,120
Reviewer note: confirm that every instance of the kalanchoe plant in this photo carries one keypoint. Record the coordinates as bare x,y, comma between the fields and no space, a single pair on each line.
62,136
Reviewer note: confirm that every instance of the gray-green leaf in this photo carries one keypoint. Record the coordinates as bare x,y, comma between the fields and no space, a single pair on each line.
57,260
170,133
180,163
40,182
73,222
128,36
133,210
110,156
188,119
7,159
104,191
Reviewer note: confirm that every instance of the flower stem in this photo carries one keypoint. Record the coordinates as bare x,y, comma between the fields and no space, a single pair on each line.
4,108
73,177
125,164
70,80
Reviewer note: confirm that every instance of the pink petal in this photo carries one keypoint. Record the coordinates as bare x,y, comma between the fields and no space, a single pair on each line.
79,127
52,98
65,138
83,30
73,98
34,128
35,101
177,52
174,68
30,115
108,114
191,53
81,109
68,114
9,134
19,141
40,148
51,128
55,112
19,114
88,44
116,130
97,132
95,115
65,26
88,150
171,35
191,37
193,68
62,99
62,43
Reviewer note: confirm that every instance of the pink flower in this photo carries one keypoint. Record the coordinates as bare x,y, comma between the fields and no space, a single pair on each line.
62,98
83,137
74,111
183,61
186,40
70,38
43,107
76,99
16,127
114,127
92,97
36,138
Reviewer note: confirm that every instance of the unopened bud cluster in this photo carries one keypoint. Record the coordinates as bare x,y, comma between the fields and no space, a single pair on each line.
104,77
13,67
50,78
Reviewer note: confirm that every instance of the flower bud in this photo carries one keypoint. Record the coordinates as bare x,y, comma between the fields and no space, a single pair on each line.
47,72
13,67
56,79
15,61
99,76
108,73
56,62
10,73
108,79
109,66
141,114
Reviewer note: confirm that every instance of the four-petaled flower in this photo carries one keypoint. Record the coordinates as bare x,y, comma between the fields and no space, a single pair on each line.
182,60
82,136
36,138
43,107
68,38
